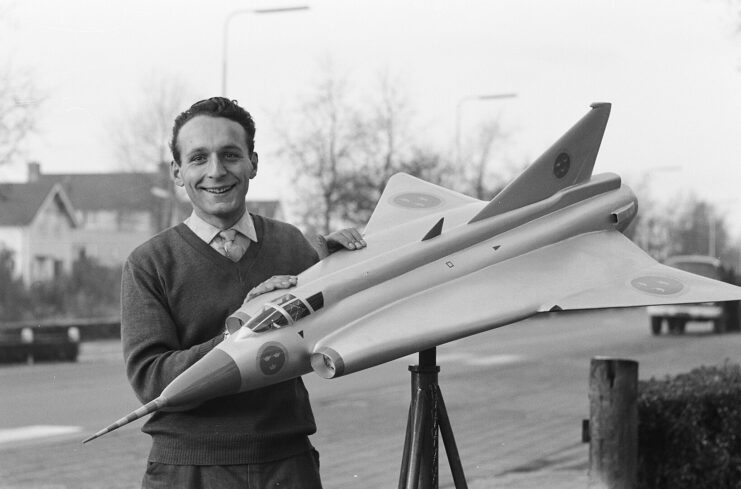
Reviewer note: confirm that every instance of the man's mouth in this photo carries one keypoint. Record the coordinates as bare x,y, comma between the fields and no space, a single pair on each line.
218,190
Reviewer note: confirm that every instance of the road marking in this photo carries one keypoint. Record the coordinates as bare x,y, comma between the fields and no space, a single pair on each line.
494,360
37,431
453,356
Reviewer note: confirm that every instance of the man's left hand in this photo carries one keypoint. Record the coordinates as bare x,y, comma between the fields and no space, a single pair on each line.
349,238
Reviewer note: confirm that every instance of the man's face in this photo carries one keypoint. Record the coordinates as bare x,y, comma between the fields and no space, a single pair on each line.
215,168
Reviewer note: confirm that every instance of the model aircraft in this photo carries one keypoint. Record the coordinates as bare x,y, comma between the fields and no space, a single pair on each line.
440,266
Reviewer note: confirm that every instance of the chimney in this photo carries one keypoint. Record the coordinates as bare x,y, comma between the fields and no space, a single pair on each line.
34,171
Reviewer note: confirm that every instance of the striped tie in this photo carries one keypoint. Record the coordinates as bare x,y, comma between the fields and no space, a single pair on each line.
233,248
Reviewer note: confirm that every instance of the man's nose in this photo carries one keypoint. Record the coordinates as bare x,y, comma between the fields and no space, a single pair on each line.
215,167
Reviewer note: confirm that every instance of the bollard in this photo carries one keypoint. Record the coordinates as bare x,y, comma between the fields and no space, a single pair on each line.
613,423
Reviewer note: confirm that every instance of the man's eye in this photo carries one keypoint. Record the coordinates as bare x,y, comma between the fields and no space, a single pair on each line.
232,156
198,158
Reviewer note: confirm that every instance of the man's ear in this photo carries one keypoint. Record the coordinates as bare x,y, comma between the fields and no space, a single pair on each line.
253,160
175,172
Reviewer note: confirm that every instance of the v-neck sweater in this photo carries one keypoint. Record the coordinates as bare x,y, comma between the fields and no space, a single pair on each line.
176,293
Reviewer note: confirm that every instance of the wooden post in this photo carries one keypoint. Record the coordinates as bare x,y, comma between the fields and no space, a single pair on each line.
613,423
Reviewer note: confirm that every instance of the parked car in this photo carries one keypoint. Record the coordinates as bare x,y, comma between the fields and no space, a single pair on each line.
39,343
724,316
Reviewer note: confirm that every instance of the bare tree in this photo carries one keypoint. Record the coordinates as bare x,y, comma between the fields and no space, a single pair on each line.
20,100
387,128
20,103
322,149
698,228
385,146
344,153
477,176
688,225
141,134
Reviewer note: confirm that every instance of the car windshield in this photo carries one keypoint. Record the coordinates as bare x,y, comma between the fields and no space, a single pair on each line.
704,269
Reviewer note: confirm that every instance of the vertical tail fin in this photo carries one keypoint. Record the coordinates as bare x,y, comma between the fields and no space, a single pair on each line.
568,161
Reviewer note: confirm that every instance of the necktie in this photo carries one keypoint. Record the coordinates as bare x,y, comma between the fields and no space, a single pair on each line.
234,247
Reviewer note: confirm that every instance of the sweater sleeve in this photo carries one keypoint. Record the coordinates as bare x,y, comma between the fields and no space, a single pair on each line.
151,346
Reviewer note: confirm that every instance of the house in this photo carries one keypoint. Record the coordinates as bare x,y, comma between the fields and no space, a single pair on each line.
37,224
116,212
111,214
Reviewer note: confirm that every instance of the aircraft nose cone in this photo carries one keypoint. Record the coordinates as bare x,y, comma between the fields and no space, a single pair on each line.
214,375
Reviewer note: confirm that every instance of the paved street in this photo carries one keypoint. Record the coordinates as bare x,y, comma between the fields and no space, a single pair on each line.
516,397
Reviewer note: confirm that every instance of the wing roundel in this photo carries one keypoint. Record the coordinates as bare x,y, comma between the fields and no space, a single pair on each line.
406,199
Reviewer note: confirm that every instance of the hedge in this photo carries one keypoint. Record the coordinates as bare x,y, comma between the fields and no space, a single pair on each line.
689,430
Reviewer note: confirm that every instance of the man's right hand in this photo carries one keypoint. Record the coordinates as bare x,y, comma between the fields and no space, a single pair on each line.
273,283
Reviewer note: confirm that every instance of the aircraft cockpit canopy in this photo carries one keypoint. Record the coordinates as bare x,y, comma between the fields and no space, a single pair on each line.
281,312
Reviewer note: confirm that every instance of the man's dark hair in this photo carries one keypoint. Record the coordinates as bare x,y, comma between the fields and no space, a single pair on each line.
214,107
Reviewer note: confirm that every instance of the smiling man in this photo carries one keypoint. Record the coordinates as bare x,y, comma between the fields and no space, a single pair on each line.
177,290
216,168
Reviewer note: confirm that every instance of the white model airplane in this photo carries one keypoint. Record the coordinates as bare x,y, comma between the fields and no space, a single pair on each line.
440,266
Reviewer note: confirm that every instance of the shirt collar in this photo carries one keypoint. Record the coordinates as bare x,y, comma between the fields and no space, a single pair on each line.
207,232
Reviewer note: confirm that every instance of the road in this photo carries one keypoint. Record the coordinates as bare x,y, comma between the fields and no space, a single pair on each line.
516,397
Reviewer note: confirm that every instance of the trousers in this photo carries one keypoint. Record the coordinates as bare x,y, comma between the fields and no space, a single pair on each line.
298,472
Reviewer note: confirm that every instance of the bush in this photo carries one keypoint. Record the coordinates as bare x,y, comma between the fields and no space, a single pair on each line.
689,430
94,290
89,290
14,298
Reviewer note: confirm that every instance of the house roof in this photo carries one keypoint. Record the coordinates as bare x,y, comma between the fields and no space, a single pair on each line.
20,202
107,191
130,191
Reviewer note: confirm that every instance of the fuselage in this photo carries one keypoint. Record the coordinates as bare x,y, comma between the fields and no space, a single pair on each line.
281,331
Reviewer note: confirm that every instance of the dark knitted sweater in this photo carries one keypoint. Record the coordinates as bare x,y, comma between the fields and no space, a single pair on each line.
176,294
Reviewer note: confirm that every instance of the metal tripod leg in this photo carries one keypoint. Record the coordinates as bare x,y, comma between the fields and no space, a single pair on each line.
427,414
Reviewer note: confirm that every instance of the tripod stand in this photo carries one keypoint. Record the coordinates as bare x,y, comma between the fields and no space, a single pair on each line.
427,414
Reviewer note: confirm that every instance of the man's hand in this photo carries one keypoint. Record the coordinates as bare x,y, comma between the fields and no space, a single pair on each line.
273,283
349,239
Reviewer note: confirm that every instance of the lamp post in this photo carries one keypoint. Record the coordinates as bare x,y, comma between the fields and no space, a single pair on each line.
469,98
644,231
713,222
225,32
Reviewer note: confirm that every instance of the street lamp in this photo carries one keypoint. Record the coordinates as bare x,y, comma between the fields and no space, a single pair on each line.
645,231
469,98
227,22
713,224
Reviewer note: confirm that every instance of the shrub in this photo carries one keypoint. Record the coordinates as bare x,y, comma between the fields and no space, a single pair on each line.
689,430
14,298
94,289
89,290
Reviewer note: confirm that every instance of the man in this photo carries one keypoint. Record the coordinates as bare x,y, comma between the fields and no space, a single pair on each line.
177,290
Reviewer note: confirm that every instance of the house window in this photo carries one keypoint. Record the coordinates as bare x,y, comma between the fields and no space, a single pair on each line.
42,268
80,252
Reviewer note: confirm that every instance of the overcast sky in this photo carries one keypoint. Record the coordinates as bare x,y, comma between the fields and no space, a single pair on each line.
671,69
